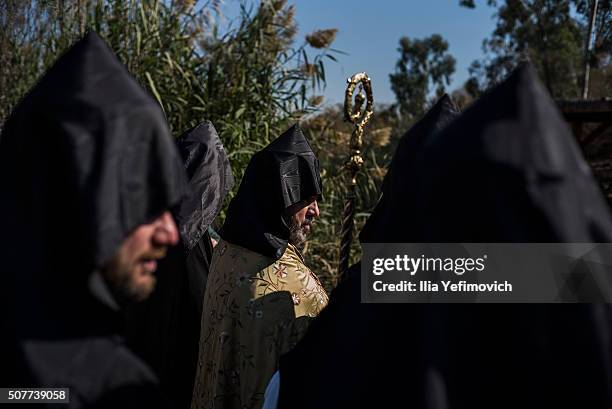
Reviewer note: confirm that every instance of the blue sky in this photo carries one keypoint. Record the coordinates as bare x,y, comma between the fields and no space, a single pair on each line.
369,32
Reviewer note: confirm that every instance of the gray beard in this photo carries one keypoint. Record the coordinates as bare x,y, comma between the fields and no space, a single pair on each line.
297,236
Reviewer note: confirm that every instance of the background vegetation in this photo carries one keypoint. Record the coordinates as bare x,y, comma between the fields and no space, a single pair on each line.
255,77
552,35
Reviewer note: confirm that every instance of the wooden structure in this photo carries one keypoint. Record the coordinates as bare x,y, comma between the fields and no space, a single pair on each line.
579,113
591,121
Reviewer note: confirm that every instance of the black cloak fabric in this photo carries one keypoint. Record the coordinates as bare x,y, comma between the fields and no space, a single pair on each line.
507,170
396,193
282,174
165,329
211,180
85,158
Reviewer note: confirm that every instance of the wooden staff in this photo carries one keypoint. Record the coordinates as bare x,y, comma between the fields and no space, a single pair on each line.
354,115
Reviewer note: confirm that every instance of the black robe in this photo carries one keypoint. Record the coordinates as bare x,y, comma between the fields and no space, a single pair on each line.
85,158
506,170
165,329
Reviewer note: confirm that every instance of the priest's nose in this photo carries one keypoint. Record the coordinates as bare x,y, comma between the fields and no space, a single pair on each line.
313,209
166,232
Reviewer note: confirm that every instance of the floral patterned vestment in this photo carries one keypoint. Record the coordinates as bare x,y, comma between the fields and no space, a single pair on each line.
255,309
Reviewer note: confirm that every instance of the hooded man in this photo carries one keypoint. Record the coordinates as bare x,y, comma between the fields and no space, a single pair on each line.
506,170
165,329
88,171
260,294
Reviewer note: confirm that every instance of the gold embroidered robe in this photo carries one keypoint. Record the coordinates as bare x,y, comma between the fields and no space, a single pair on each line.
255,309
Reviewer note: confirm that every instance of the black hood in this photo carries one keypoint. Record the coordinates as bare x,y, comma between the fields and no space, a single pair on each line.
210,179
85,158
508,170
282,174
397,197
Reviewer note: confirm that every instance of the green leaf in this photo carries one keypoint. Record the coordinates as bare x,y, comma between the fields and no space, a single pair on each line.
154,90
239,112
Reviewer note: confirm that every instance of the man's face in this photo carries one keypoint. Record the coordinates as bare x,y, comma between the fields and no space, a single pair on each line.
130,272
302,215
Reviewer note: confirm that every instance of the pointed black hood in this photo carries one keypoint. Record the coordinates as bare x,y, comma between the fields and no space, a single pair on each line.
210,179
384,225
85,158
282,174
508,170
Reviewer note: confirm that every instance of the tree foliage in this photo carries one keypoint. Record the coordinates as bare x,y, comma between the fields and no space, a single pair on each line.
423,64
552,35
249,81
